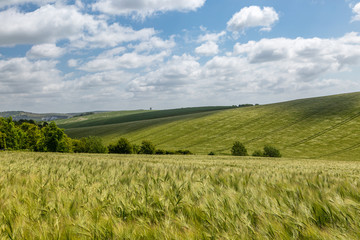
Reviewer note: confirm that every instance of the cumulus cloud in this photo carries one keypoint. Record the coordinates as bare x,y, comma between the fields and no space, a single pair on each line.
208,49
5,3
177,72
126,61
356,11
253,16
334,53
144,8
24,77
51,23
45,51
213,37
153,44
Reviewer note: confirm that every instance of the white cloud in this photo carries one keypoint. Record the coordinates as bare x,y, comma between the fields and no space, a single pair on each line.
45,51
356,11
177,72
213,37
51,23
153,44
126,61
73,63
208,49
334,53
5,3
145,8
22,77
253,16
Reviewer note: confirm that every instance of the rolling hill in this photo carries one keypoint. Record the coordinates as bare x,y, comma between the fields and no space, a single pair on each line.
323,127
17,115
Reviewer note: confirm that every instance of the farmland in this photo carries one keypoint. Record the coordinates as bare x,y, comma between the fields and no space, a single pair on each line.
83,196
315,128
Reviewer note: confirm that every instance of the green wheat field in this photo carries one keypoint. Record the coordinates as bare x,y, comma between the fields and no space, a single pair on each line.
80,196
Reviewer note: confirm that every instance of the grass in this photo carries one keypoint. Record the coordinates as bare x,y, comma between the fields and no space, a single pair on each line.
324,127
109,118
72,196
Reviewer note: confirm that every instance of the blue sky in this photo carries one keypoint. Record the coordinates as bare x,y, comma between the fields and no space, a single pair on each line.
75,56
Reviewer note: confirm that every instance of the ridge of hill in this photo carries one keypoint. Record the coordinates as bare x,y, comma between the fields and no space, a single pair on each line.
18,115
322,127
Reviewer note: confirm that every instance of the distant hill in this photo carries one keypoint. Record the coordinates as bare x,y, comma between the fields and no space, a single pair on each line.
323,127
17,115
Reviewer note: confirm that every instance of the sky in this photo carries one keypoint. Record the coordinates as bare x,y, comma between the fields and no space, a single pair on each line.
87,55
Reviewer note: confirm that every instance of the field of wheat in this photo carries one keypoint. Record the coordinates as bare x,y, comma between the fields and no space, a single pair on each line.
71,196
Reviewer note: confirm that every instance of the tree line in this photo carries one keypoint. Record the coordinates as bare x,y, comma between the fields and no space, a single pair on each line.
48,137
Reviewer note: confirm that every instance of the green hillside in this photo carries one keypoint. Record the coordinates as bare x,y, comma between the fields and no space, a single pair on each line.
324,127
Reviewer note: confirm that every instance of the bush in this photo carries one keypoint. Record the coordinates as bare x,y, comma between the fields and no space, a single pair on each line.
238,149
123,146
147,147
160,152
258,153
89,145
270,151
136,149
183,152
211,153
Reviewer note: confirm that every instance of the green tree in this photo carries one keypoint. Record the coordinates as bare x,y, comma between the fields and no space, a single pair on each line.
122,146
147,147
238,149
54,139
32,136
2,141
13,134
89,144
270,151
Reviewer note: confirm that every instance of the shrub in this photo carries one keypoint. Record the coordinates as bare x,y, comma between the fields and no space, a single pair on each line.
147,147
136,148
89,145
160,152
270,151
123,146
238,149
170,152
183,152
211,153
258,153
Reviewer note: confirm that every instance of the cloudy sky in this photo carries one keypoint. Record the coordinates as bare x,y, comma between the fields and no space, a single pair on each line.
84,55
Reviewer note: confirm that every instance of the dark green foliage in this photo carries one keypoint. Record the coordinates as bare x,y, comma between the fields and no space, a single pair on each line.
2,141
26,134
123,146
32,136
170,152
258,153
55,140
270,151
147,147
160,152
238,149
183,152
211,153
89,145
12,134
136,149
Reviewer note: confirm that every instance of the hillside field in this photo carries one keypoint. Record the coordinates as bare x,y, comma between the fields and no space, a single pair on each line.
79,196
324,127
